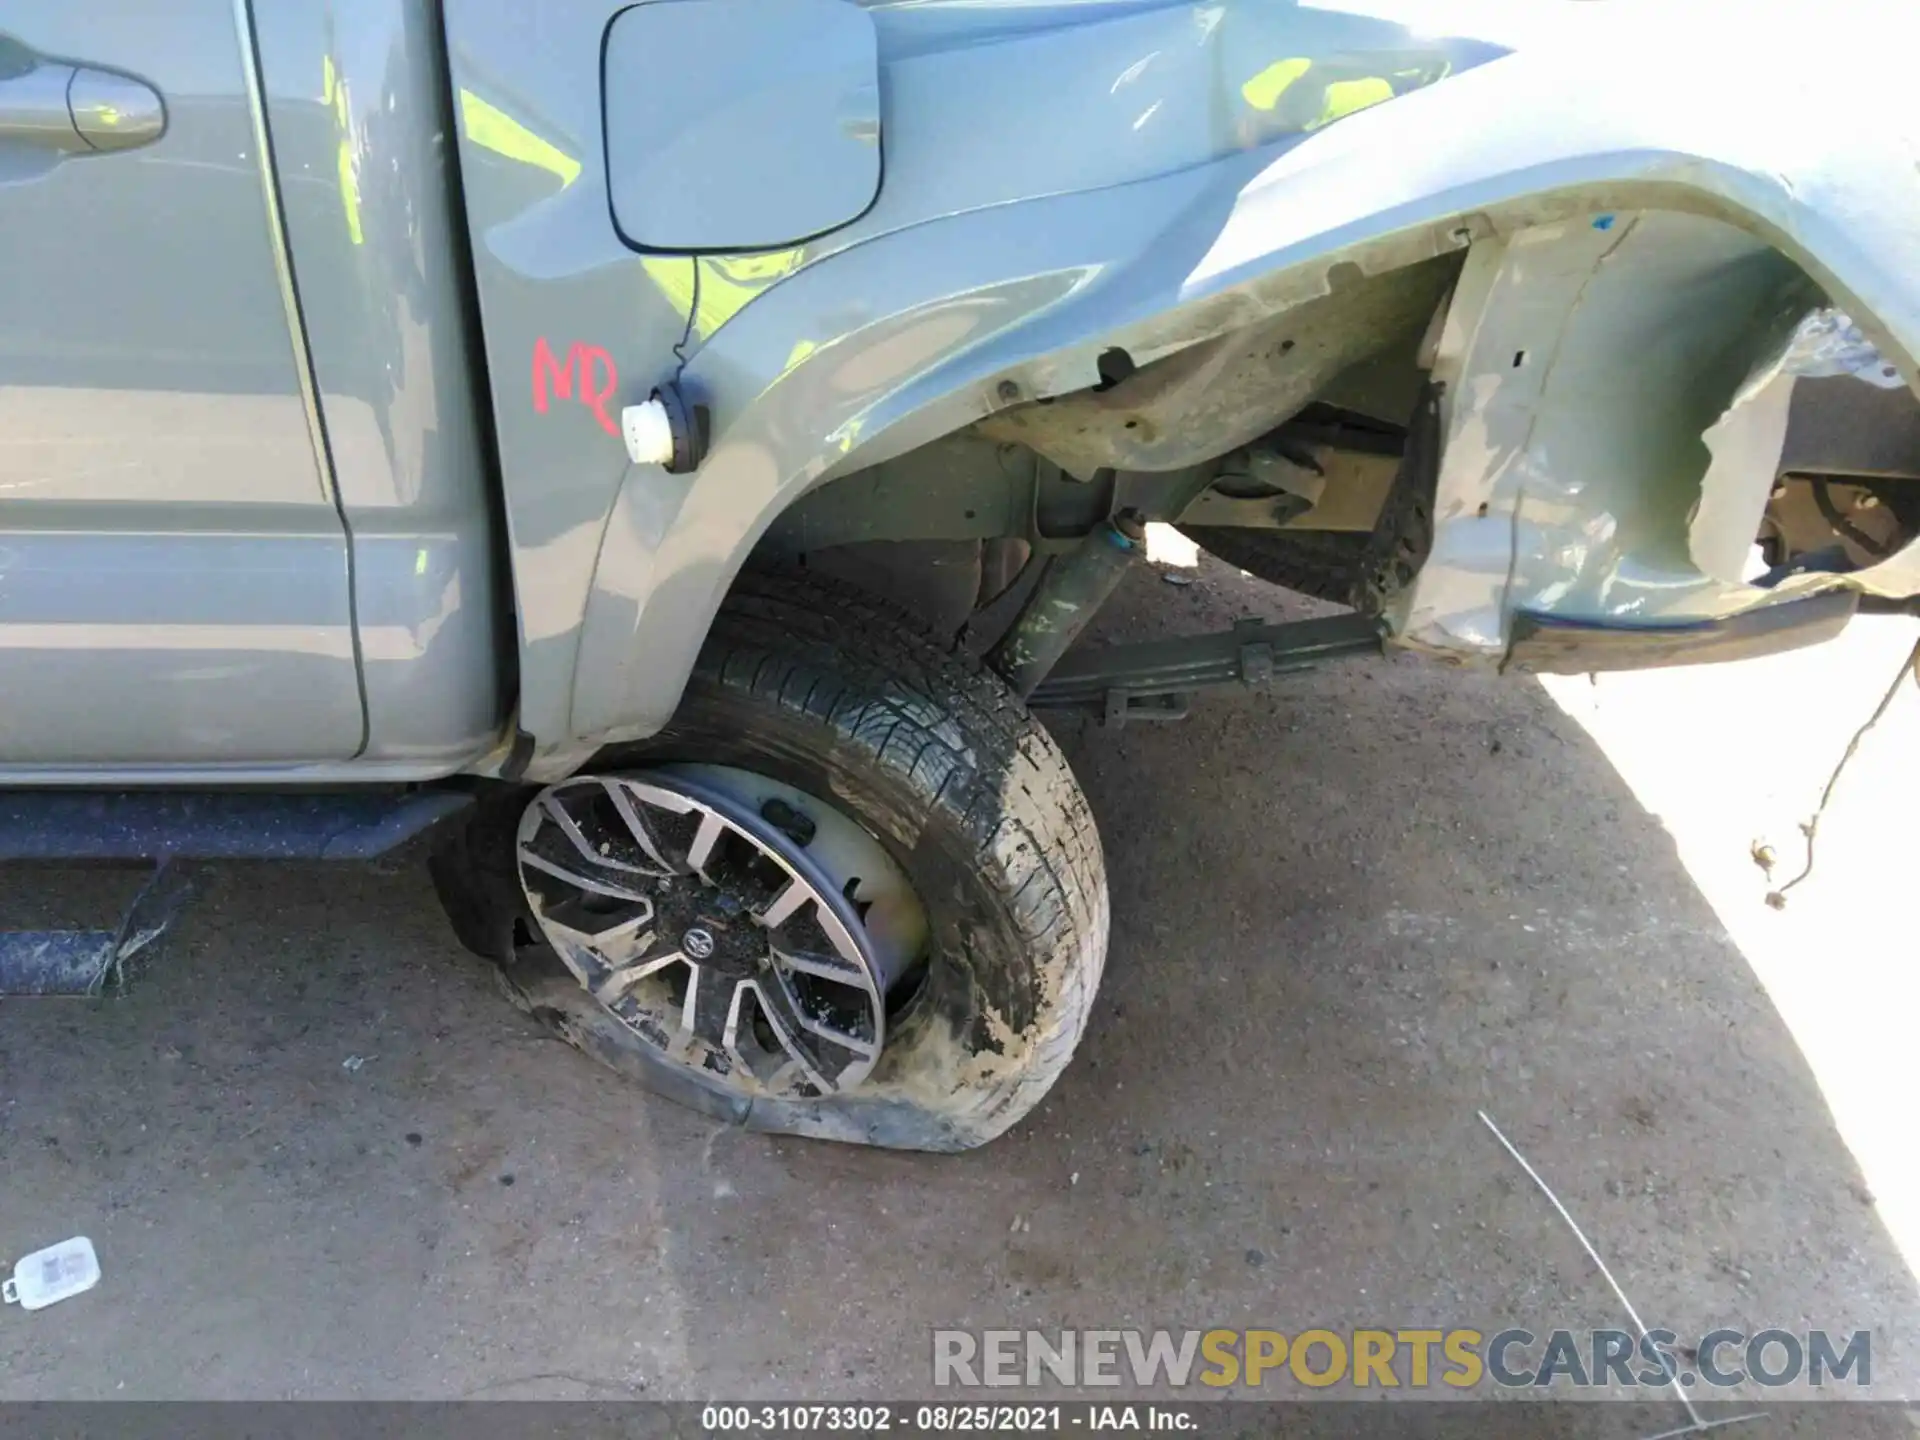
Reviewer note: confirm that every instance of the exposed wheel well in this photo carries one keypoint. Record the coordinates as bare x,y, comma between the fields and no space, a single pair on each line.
1278,444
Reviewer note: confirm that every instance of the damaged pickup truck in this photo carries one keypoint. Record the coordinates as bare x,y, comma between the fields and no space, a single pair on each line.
667,451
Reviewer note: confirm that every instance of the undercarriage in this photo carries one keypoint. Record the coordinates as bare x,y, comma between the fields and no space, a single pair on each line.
1348,446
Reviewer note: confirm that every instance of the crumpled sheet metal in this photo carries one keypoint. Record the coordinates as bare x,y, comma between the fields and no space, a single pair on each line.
1613,420
1746,442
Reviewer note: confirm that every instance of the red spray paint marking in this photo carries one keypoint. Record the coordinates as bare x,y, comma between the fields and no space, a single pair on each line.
584,362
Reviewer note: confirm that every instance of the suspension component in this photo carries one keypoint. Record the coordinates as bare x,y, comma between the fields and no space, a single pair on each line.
1069,594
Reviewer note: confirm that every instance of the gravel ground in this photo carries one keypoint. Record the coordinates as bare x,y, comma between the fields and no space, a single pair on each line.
1348,914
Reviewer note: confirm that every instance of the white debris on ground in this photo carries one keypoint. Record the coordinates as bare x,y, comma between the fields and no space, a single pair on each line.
53,1274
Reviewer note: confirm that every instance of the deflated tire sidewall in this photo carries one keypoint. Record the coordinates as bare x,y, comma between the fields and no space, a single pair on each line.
831,692
978,1021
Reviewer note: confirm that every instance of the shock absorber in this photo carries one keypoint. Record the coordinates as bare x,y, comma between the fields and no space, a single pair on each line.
1069,593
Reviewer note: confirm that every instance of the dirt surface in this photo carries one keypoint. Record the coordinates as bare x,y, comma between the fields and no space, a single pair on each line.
320,1158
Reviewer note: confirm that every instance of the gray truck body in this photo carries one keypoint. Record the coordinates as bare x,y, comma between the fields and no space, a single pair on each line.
312,469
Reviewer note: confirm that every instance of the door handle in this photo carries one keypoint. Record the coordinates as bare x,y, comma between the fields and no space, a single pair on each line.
79,110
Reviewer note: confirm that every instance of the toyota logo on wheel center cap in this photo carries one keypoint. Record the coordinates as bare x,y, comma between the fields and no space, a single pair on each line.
698,943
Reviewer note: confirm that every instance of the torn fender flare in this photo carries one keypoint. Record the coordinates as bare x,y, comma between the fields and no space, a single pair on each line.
1558,645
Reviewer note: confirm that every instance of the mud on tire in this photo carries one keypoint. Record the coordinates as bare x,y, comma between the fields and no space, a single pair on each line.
824,688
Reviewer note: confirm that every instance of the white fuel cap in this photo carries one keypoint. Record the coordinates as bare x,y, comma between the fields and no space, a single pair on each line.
666,430
648,432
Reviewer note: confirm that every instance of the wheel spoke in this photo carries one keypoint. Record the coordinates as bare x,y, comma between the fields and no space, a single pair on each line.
709,1002
783,1021
636,824
627,941
612,948
784,906
680,1046
592,884
620,982
731,1034
576,837
712,827
812,962
591,871
838,1037
796,1012
574,949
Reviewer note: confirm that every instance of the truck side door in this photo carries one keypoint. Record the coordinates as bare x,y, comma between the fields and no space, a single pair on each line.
174,572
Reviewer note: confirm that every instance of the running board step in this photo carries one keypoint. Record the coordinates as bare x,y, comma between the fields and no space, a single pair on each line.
169,828
57,825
